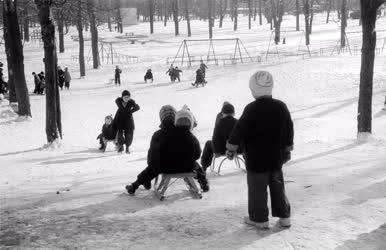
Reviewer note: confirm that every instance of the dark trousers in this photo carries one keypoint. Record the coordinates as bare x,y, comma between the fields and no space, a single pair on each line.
117,79
67,85
150,172
257,196
207,155
125,137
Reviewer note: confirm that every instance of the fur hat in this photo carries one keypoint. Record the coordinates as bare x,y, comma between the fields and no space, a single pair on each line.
227,108
261,83
167,111
184,118
125,93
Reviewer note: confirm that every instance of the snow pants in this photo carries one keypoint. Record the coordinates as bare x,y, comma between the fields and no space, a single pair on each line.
207,155
67,85
257,196
125,137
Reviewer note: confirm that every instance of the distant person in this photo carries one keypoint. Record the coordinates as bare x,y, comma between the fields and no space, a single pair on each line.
266,129
177,73
42,83
123,120
171,73
67,78
37,83
203,67
61,78
222,130
148,76
108,133
200,78
117,75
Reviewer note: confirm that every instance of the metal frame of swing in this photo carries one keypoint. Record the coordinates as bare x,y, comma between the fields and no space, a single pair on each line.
211,55
237,159
285,32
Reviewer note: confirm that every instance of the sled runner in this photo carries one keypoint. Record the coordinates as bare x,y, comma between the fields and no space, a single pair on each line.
237,159
160,189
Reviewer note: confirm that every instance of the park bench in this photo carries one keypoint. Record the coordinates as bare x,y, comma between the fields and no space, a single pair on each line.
166,182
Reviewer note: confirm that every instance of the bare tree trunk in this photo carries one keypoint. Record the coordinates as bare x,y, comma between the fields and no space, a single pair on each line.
15,57
165,4
328,10
369,16
94,34
175,16
119,19
53,113
260,13
210,19
254,10
26,25
306,9
311,15
235,14
60,31
343,24
249,14
187,17
297,6
151,15
79,26
221,8
109,26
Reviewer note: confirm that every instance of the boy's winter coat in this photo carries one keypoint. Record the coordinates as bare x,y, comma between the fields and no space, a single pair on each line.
154,154
118,71
179,151
221,133
266,129
123,118
109,132
149,75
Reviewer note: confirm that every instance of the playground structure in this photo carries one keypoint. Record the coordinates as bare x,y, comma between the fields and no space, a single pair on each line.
287,53
108,54
185,56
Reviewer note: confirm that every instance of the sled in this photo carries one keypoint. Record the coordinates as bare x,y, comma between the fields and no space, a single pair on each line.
237,159
165,183
194,84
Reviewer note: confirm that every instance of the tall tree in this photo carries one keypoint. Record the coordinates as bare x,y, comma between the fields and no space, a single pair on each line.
297,6
210,18
53,113
175,17
306,11
79,27
151,15
94,33
187,17
328,10
250,14
369,10
235,13
260,13
277,8
222,8
15,57
343,24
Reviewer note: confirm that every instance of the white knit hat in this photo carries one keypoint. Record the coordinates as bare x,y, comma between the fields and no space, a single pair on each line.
261,83
184,118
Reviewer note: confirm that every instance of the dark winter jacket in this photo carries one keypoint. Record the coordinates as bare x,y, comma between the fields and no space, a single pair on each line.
153,154
118,72
109,132
203,67
179,151
199,76
266,129
221,133
148,75
123,118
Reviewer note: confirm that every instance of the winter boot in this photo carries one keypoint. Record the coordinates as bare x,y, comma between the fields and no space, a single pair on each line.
131,188
285,222
120,148
102,147
127,150
258,225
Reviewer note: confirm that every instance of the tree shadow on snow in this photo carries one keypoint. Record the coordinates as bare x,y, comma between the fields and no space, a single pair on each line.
375,239
379,114
22,151
72,160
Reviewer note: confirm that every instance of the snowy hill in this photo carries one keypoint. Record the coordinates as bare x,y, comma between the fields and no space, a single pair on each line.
73,196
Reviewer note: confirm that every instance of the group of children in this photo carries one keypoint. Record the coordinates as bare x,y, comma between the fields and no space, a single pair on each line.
64,78
173,72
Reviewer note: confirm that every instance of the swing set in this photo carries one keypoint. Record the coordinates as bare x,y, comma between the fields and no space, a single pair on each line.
275,51
184,55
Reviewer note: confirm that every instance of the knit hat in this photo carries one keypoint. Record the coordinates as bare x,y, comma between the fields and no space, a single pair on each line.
125,93
227,108
167,111
184,118
261,83
109,117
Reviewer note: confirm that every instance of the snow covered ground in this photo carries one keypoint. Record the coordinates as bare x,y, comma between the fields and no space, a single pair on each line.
73,196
